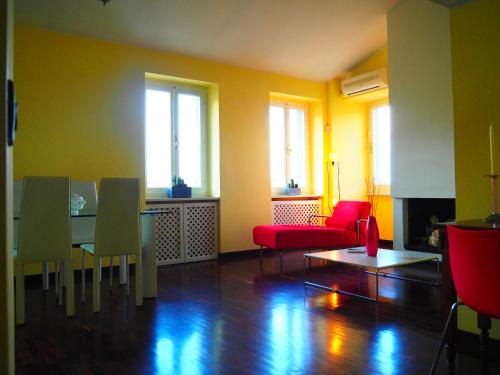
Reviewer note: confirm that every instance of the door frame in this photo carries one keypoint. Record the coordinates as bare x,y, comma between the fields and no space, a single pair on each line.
7,328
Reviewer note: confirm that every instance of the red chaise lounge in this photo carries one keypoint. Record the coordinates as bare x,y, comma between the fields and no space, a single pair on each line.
341,230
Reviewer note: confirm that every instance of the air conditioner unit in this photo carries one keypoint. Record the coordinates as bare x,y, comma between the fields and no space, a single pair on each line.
364,82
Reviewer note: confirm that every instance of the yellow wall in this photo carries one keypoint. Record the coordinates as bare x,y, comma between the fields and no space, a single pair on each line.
475,37
349,119
82,114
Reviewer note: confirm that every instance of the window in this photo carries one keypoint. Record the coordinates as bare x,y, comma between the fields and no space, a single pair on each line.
288,145
381,147
176,137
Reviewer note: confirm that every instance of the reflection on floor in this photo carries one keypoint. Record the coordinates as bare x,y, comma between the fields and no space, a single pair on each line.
226,318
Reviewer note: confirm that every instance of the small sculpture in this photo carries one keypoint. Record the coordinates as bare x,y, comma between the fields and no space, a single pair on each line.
77,202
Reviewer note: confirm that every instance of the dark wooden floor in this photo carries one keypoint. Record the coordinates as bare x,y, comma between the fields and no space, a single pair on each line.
225,318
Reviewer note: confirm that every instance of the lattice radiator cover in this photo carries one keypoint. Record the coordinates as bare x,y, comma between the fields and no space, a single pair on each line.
169,230
188,234
295,212
200,231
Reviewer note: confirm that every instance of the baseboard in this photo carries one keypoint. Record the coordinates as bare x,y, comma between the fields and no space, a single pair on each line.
468,343
385,244
242,254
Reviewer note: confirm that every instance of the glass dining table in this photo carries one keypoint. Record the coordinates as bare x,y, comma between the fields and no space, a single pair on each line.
148,247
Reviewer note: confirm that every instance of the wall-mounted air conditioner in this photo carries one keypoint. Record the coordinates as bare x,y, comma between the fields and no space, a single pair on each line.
365,82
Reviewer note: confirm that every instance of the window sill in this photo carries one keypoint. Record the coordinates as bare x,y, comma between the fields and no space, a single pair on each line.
303,197
181,200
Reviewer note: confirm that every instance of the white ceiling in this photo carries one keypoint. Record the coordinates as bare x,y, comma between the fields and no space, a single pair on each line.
312,39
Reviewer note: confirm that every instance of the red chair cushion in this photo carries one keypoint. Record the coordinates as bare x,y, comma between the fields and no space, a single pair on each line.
280,237
347,213
475,264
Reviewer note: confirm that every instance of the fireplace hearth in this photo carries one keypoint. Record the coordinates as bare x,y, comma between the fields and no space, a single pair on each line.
422,212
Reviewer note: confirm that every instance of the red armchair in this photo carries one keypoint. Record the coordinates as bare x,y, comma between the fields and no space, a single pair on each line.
341,230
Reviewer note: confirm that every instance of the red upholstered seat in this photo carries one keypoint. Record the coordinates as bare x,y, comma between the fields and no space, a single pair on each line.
347,213
302,236
340,230
475,262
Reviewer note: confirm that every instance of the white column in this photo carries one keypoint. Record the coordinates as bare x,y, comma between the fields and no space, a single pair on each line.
400,217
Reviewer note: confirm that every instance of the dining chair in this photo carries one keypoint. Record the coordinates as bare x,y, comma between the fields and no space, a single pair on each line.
18,191
44,234
475,262
117,231
83,228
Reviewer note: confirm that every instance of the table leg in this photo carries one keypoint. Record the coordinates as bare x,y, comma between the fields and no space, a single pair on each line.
325,287
304,267
149,266
123,269
376,285
62,274
45,275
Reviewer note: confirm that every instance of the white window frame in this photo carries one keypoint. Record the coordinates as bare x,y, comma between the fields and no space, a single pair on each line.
303,107
175,89
381,189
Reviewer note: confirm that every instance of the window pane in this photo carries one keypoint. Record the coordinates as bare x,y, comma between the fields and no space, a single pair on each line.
297,146
277,146
381,120
189,131
158,139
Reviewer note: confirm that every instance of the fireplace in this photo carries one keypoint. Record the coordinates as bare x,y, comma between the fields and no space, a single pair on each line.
421,212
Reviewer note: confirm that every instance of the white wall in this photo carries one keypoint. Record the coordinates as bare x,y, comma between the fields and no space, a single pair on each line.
421,99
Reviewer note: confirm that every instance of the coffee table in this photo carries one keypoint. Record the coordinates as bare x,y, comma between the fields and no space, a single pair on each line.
384,259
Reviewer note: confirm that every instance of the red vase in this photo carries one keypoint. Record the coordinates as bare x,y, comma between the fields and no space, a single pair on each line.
371,236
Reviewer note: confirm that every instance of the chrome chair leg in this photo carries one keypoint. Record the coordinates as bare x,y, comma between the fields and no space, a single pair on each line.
443,337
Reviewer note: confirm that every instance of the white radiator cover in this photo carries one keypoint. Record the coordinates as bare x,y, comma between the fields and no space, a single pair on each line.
188,233
295,212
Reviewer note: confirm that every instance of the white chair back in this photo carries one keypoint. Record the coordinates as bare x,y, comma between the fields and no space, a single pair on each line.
44,226
83,228
18,191
44,234
117,223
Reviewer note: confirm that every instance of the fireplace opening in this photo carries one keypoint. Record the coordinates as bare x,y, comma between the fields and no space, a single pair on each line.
422,213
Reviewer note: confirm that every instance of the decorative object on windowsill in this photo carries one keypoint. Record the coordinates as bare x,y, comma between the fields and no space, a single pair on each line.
179,189
495,215
371,230
292,189
77,202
